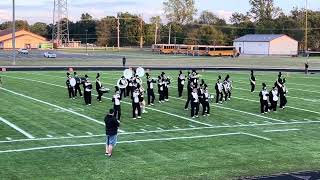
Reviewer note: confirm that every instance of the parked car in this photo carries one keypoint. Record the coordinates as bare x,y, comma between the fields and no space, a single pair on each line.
49,55
23,51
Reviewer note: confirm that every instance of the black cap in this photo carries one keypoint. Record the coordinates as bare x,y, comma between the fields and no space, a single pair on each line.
111,111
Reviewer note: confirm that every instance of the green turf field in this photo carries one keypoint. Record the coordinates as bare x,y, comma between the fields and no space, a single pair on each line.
44,135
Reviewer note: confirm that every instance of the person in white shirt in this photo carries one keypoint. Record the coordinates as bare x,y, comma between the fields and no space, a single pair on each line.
206,105
194,103
136,109
274,98
141,99
116,99
264,99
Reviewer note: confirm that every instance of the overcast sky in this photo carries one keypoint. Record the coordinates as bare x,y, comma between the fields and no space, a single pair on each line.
41,10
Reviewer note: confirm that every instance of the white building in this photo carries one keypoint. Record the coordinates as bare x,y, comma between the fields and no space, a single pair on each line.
266,44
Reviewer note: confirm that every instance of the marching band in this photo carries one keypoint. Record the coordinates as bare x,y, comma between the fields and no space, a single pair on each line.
198,95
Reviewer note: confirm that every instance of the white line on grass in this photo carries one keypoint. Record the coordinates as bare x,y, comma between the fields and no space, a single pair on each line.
257,136
135,141
28,135
89,133
50,136
177,129
53,105
281,130
69,134
9,138
153,109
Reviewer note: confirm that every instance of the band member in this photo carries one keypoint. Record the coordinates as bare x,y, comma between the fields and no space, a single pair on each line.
123,90
78,83
116,99
252,81
161,89
264,99
136,109
70,88
218,87
141,99
200,90
273,98
189,91
194,103
206,105
134,85
306,67
129,87
181,81
227,87
150,91
166,83
0,80
87,91
99,87
283,92
124,60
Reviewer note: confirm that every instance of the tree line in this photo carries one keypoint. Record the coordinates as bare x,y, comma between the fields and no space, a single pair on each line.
184,27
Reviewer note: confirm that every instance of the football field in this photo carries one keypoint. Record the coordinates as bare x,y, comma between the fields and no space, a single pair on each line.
46,135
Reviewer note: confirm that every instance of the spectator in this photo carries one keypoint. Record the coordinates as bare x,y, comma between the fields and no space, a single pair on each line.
124,60
112,126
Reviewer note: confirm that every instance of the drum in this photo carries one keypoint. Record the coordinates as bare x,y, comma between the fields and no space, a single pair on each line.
73,82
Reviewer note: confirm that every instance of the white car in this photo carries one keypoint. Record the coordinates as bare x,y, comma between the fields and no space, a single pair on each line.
49,55
23,51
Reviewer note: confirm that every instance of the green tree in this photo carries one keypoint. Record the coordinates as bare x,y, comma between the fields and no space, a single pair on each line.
206,35
106,30
263,10
207,17
20,24
40,29
179,11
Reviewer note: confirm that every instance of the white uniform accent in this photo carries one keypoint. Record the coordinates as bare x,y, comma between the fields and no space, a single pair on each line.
116,99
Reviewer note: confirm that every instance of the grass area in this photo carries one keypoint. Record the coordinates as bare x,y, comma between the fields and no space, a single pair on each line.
235,141
78,57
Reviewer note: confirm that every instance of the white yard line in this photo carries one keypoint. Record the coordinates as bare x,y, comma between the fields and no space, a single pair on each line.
256,136
135,141
153,109
281,130
177,129
28,135
53,105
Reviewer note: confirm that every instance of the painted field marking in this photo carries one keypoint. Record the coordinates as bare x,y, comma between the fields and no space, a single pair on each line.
225,124
9,138
192,126
89,133
136,141
239,123
176,127
159,128
167,130
143,130
28,135
164,112
281,130
69,134
50,136
53,105
257,136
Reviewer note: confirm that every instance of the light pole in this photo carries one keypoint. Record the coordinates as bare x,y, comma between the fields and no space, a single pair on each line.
86,41
306,29
13,33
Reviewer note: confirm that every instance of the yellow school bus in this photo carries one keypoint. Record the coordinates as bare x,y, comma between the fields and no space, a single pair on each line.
164,48
222,51
199,50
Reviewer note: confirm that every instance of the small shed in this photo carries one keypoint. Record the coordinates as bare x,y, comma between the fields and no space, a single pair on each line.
266,44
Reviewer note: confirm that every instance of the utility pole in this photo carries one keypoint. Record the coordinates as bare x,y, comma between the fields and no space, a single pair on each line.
86,41
169,40
306,29
13,32
156,34
141,32
118,29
